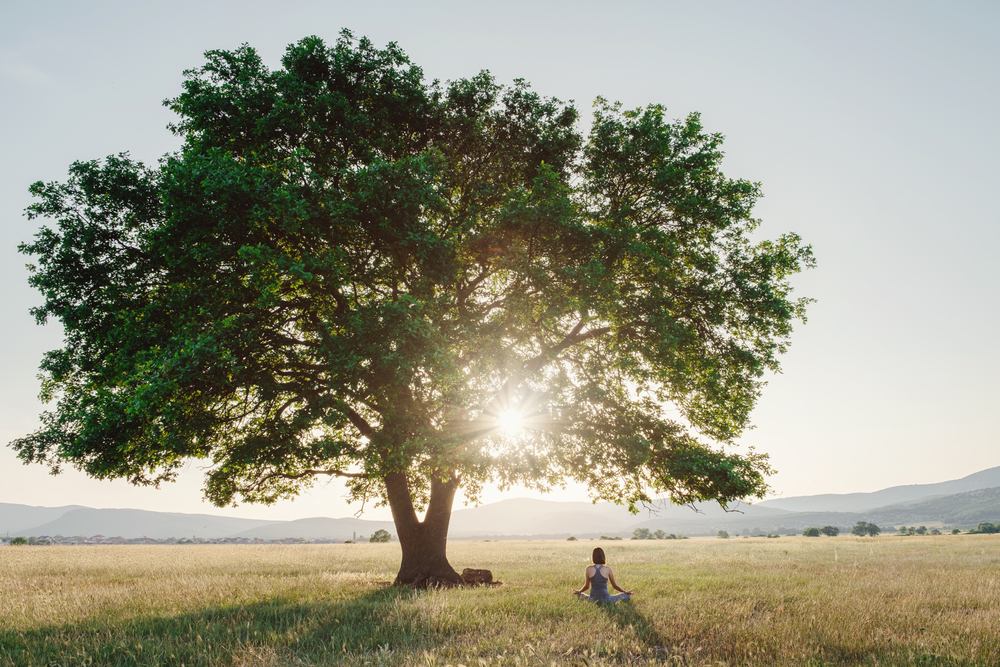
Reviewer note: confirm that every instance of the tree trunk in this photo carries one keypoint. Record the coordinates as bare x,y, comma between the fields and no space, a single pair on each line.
424,543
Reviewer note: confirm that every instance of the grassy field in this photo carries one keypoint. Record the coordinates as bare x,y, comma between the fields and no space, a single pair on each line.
889,600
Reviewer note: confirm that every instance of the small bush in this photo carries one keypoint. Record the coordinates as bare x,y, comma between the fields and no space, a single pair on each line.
722,535
811,532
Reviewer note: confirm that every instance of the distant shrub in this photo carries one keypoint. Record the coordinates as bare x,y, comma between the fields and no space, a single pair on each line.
380,536
642,534
18,541
571,539
660,535
811,532
935,531
863,528
986,528
955,531
830,531
722,535
607,537
773,535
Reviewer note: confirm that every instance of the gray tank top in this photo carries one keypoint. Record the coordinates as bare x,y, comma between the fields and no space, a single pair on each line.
599,584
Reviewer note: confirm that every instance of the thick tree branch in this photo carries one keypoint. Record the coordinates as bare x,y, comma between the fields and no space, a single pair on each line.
574,337
359,422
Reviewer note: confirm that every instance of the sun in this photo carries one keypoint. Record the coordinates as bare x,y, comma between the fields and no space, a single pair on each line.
511,422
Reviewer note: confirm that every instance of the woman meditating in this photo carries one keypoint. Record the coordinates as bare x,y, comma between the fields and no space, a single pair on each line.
598,575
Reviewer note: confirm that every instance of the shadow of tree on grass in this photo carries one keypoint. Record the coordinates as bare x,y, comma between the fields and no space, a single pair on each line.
276,631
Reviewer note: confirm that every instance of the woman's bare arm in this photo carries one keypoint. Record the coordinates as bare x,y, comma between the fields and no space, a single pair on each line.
611,580
586,584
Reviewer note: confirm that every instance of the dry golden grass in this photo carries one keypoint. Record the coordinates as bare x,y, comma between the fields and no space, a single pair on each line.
888,600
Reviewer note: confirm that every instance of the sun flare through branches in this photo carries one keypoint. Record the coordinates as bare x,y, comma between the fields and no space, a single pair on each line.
511,422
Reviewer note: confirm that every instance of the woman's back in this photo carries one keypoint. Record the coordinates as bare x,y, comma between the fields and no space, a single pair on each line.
599,583
599,575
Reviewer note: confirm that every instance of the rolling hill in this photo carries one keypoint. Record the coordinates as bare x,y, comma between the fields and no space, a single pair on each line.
14,518
960,503
861,502
317,528
131,523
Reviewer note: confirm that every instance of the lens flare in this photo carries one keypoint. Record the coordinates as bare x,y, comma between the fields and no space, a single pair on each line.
511,423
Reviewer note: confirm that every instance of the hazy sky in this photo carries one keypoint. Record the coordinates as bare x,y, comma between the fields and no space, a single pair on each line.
872,126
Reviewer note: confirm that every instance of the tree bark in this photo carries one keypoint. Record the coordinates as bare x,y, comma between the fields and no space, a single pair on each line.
424,543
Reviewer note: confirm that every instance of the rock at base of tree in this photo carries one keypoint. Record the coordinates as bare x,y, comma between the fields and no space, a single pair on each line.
471,577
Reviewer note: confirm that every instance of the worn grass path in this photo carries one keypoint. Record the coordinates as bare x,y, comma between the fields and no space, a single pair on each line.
888,600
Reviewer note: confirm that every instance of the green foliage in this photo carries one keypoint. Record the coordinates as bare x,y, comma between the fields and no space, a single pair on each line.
811,532
986,527
830,531
380,535
642,534
18,541
955,531
723,535
863,528
571,538
349,270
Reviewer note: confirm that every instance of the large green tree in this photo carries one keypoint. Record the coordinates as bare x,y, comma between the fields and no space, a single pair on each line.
347,270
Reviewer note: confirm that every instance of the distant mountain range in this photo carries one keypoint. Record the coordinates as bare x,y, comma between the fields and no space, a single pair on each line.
862,502
957,503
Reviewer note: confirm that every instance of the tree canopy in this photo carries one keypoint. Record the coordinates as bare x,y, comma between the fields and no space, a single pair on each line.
349,270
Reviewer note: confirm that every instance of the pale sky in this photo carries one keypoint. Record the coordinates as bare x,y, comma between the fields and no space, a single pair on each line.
872,126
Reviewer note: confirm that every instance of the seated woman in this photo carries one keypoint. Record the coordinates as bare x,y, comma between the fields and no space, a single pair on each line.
598,575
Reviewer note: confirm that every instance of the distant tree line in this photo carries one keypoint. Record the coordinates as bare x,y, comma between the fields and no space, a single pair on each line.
986,528
983,528
646,534
861,529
